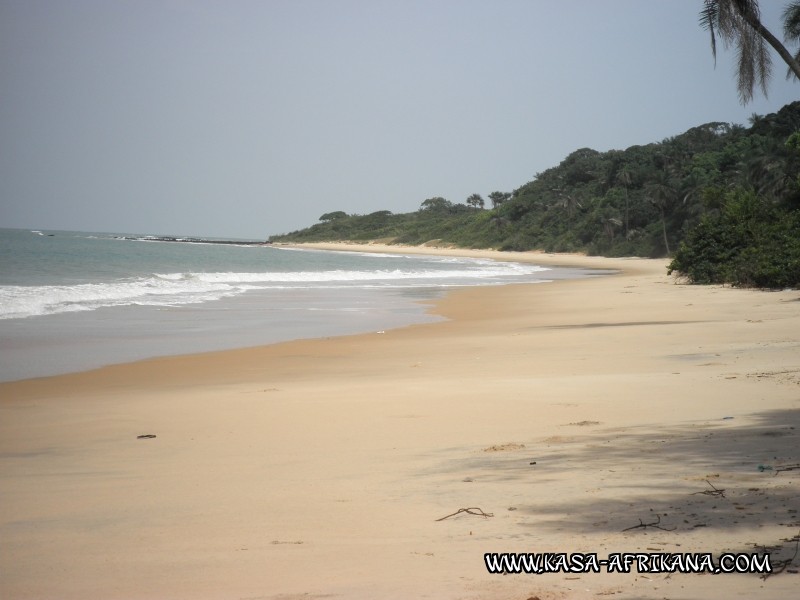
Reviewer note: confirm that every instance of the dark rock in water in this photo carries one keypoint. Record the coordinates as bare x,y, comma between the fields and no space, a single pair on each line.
191,240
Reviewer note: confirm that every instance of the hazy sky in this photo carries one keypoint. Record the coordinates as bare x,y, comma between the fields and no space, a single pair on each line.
248,118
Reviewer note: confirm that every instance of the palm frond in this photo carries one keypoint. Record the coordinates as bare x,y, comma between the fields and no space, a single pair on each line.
791,22
738,24
708,20
791,31
763,60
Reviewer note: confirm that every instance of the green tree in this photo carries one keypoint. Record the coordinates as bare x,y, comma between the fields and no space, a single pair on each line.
749,242
498,198
333,216
738,23
793,144
436,204
475,201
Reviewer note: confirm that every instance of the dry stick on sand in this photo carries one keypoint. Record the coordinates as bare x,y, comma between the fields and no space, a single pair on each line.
654,524
782,565
712,492
470,511
785,468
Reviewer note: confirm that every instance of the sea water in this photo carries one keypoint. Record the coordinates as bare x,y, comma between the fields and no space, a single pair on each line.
72,301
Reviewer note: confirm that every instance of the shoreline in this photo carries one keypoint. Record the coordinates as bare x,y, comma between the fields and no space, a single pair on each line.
604,265
318,467
71,342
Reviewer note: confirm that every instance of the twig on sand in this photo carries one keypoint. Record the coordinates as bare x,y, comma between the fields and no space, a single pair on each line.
712,492
785,468
654,524
470,511
782,565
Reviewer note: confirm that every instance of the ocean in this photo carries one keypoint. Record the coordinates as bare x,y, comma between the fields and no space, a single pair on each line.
72,301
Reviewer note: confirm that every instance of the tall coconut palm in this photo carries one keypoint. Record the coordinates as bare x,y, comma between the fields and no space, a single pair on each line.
738,23
663,194
624,177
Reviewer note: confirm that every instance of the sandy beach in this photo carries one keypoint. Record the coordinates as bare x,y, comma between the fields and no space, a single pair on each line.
574,413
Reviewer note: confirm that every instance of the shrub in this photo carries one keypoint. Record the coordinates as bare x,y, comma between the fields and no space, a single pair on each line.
749,242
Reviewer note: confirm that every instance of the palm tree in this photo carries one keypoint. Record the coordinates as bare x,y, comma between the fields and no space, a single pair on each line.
624,177
609,225
475,201
567,202
498,198
738,22
764,170
663,194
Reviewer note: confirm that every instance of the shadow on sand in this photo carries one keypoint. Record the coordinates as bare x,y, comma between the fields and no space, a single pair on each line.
665,487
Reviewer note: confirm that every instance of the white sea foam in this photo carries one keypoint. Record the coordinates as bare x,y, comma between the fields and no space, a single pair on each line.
30,301
500,271
171,289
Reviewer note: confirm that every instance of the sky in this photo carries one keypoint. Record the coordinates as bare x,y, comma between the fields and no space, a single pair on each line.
244,119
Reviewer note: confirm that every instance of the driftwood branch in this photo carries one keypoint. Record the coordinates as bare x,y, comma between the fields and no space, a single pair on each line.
712,492
782,565
785,468
470,511
655,525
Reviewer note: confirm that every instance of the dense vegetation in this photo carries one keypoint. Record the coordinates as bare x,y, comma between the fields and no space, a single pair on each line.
723,199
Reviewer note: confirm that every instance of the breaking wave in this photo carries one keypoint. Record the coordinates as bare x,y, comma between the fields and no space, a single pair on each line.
173,289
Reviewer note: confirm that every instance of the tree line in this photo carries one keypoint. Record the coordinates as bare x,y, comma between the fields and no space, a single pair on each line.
666,198
721,199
